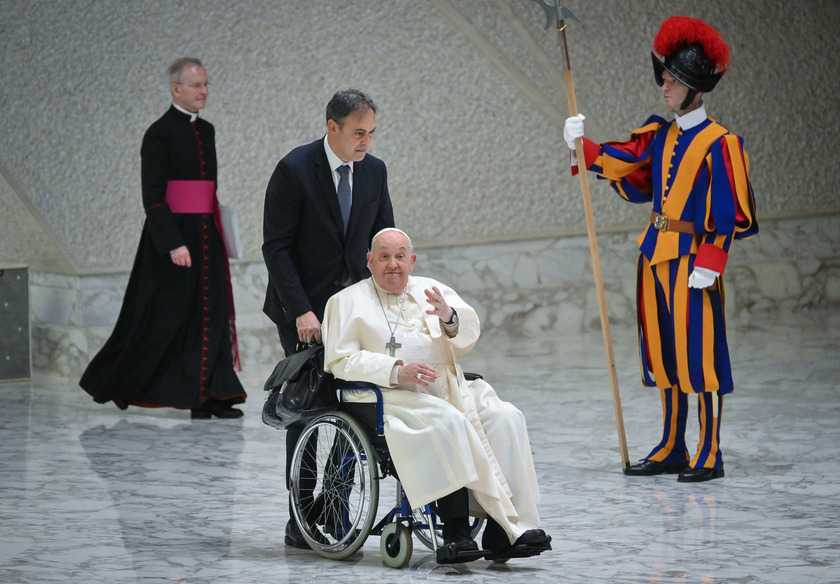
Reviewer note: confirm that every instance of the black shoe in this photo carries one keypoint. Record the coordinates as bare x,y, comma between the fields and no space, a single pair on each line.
459,552
294,538
531,543
458,545
214,408
698,475
226,412
121,403
651,467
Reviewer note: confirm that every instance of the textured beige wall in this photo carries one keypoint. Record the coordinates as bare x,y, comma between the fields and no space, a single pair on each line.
471,96
25,238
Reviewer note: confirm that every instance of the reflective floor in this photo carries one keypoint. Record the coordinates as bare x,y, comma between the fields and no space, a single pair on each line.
92,494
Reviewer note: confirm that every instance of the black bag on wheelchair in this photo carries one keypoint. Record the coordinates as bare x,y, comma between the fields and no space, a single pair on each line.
299,388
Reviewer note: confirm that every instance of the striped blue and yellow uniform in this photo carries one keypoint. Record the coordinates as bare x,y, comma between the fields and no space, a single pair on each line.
700,177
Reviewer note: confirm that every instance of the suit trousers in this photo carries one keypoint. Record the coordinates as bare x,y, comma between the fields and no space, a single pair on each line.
289,340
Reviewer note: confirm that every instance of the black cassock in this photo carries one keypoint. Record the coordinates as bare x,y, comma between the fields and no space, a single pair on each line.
171,345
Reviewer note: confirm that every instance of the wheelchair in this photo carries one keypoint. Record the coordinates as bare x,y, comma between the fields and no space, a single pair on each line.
337,470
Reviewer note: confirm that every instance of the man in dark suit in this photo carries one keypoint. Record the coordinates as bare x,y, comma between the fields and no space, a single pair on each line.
323,205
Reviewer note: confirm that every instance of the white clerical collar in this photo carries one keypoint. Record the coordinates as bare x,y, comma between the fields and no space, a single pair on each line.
333,159
692,118
382,292
193,116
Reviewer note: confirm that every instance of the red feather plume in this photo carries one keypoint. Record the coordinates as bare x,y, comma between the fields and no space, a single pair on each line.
678,31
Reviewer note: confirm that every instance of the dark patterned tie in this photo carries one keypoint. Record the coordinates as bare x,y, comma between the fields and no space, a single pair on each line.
344,195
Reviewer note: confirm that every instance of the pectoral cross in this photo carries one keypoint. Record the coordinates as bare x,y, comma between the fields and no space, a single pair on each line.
392,345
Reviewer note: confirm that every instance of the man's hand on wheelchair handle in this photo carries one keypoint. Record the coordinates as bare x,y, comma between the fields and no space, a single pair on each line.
308,327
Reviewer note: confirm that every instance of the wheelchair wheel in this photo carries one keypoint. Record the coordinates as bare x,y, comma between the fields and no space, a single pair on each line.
396,545
334,485
423,532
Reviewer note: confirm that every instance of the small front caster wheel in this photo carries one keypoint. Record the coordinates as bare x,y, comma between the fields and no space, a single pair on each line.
396,545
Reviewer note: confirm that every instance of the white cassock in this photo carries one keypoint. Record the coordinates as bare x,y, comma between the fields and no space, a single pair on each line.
454,433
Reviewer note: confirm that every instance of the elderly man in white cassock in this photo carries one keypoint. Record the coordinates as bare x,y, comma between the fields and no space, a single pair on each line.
451,440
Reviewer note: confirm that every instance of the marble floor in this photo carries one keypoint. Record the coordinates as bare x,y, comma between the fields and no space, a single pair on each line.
92,494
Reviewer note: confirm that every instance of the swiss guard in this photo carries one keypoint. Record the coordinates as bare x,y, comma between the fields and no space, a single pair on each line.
695,173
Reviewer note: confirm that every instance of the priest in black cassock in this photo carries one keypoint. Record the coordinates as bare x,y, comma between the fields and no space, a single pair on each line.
174,343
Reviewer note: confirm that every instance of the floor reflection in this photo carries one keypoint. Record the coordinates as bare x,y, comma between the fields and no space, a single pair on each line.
172,488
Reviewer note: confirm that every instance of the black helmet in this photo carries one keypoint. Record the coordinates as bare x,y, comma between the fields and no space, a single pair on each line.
690,66
695,54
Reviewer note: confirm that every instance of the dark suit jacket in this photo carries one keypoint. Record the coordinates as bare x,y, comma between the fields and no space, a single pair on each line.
304,247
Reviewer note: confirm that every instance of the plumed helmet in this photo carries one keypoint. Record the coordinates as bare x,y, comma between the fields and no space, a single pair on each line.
695,53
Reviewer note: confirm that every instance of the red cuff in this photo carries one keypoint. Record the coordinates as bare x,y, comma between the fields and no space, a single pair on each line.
711,257
591,151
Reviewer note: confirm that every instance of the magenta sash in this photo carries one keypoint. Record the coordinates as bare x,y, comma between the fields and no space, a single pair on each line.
199,196
191,196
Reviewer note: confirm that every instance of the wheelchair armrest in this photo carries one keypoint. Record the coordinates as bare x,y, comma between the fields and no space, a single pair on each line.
357,385
343,385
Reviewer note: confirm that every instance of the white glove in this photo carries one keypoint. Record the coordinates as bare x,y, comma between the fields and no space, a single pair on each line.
702,278
573,130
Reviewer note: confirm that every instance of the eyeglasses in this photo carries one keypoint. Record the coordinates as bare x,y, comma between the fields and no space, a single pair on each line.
195,86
